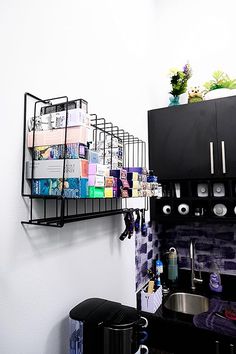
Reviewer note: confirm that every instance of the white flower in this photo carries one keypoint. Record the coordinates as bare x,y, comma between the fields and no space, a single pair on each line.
173,71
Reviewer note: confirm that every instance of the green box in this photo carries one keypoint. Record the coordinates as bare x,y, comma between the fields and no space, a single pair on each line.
96,192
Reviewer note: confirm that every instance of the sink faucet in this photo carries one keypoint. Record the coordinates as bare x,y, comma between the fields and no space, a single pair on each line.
194,280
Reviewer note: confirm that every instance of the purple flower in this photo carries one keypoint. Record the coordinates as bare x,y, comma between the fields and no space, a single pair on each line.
187,71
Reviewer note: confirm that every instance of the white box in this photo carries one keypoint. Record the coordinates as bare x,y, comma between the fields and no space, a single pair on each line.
53,168
57,120
96,180
97,169
151,302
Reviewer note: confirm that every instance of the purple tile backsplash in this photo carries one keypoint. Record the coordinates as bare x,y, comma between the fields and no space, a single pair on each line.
145,251
213,243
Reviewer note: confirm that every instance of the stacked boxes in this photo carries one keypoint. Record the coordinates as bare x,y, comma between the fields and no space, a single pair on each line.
96,180
111,187
110,152
64,165
59,141
122,184
135,186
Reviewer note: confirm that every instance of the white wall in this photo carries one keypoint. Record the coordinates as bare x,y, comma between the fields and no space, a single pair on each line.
202,32
101,51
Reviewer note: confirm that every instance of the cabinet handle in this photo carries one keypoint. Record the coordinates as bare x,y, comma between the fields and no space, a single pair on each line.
212,157
217,347
223,157
231,349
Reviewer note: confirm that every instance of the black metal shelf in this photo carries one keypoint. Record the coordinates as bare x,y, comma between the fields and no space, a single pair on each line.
57,210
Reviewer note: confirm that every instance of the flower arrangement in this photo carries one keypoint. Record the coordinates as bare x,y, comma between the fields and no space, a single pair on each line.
220,80
179,80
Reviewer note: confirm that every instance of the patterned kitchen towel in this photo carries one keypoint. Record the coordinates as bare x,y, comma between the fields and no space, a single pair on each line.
209,319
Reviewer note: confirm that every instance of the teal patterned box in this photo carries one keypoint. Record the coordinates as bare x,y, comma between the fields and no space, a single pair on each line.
73,187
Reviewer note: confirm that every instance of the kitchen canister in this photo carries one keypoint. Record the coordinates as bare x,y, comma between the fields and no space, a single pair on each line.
172,265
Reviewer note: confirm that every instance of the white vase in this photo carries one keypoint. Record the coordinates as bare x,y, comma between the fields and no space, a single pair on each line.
222,92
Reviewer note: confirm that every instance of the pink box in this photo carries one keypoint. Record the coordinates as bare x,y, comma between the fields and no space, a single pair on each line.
84,168
97,169
57,136
95,180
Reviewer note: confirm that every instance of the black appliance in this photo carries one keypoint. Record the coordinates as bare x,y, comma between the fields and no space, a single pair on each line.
99,326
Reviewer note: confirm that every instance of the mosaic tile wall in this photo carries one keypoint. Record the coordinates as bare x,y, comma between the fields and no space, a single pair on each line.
213,243
146,248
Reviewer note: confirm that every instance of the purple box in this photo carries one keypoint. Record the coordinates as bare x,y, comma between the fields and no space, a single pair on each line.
123,183
114,182
119,173
97,169
134,169
115,193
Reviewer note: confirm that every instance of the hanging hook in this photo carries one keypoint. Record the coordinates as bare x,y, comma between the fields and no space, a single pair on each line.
143,223
125,232
131,223
137,221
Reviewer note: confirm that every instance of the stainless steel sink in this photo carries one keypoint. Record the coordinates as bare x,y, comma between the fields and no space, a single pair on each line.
191,304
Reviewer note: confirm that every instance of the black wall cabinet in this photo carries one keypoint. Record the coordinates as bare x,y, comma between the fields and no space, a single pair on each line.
226,133
193,140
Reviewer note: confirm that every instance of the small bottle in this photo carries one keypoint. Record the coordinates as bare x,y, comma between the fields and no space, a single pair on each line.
215,279
159,266
159,271
158,280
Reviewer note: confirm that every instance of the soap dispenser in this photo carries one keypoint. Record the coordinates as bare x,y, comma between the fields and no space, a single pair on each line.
215,279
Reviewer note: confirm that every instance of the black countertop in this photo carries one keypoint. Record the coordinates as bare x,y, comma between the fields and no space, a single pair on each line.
172,331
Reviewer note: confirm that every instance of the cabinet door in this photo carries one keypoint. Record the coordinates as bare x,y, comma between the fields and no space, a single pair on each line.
226,131
182,141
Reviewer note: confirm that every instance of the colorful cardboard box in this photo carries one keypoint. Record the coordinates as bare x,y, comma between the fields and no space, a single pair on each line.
108,192
133,193
95,180
134,184
73,187
57,136
120,173
56,120
84,168
96,192
54,168
93,156
55,152
97,169
109,181
132,176
139,170
63,106
123,183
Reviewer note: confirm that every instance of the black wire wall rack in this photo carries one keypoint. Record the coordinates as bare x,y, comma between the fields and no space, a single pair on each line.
58,210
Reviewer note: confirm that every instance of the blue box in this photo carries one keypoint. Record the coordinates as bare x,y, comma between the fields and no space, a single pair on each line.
51,152
73,187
